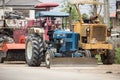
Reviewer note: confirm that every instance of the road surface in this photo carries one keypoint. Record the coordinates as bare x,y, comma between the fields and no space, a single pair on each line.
20,71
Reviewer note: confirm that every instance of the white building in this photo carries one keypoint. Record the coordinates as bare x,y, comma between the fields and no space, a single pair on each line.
25,6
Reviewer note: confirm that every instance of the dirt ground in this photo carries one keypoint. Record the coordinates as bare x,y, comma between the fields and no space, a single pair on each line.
20,71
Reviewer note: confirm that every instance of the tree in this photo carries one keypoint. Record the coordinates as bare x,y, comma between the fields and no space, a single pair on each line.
84,16
117,56
66,8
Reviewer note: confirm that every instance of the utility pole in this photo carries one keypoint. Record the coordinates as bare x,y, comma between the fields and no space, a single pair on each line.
3,2
95,9
106,13
3,5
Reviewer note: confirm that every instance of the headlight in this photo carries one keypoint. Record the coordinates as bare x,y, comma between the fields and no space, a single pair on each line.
38,30
59,35
109,32
61,41
88,29
62,34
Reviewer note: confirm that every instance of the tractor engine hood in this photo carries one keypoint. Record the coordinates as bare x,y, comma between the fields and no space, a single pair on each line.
58,34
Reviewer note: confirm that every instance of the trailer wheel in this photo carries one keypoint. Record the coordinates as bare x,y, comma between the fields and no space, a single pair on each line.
108,58
48,58
1,60
34,50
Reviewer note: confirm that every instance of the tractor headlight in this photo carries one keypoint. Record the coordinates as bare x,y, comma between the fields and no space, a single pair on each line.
60,35
61,41
38,30
109,32
88,31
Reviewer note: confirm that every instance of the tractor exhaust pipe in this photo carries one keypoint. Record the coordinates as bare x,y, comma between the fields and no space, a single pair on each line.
70,19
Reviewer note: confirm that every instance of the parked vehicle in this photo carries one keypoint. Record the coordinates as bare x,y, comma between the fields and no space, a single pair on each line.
115,34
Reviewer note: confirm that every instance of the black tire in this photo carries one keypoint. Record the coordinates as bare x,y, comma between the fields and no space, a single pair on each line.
48,58
1,60
88,53
108,58
104,58
111,57
34,53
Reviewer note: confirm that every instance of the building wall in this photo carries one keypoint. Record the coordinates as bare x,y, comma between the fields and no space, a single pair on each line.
114,25
24,6
32,14
118,12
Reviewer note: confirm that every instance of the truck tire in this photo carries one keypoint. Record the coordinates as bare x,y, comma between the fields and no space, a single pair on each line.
108,58
34,50
104,58
111,57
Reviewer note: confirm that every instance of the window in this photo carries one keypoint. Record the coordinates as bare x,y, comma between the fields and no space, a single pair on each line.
118,4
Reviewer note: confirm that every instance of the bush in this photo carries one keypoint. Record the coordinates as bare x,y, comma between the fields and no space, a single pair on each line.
99,58
117,56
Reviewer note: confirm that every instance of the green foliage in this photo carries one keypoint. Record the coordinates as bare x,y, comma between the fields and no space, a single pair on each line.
66,8
84,16
117,56
98,57
111,23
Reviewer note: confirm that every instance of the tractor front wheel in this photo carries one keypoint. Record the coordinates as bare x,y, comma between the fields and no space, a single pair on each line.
48,58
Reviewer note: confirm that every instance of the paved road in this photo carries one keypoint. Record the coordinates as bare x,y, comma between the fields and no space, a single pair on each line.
23,72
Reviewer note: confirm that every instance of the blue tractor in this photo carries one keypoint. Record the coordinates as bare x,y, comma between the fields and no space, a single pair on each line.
63,47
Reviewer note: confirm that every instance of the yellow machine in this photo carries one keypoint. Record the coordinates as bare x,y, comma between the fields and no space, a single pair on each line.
93,34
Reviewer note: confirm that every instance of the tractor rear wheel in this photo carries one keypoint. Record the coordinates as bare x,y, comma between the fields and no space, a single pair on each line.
34,50
108,58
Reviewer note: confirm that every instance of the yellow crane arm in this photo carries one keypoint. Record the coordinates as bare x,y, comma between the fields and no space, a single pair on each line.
79,13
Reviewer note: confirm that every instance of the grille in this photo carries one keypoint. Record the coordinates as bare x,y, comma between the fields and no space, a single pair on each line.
76,40
68,45
99,33
69,35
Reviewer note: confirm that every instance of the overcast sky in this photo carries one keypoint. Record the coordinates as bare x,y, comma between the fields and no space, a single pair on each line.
86,7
